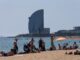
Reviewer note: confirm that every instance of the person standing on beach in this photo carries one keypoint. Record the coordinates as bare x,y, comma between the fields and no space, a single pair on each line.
52,43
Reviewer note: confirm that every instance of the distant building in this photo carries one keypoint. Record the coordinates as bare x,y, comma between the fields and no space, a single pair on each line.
46,31
74,32
36,23
36,26
77,28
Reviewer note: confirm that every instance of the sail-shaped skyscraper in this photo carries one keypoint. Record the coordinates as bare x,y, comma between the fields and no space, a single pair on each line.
36,23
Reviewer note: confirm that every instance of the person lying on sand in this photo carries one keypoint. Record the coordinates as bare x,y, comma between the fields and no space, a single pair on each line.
13,51
77,52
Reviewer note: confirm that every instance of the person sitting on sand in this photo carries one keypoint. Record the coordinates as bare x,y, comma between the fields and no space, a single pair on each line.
59,46
75,46
41,45
15,47
65,46
26,48
70,47
30,47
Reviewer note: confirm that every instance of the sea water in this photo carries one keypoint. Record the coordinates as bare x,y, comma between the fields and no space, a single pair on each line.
7,43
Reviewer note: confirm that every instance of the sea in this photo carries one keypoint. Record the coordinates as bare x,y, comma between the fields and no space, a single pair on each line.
6,43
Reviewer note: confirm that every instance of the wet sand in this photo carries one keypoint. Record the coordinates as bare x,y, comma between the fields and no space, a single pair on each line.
48,55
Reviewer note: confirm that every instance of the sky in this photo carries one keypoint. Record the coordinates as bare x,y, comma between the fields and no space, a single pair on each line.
58,15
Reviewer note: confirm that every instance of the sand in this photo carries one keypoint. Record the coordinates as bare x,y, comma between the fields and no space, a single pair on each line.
48,55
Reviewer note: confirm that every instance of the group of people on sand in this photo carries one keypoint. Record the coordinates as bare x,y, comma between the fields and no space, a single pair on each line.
28,48
31,48
67,47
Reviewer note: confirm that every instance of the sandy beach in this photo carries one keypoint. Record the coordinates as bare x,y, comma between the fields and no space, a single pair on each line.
48,55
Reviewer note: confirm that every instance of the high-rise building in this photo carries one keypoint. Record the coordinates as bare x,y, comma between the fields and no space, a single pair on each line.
36,23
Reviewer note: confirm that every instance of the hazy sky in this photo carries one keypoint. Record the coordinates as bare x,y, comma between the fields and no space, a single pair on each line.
58,15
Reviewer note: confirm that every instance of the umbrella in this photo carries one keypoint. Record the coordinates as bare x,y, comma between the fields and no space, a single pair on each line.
60,38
